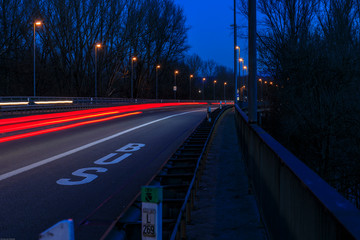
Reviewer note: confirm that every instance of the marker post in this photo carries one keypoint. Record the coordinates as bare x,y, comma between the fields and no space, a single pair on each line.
151,224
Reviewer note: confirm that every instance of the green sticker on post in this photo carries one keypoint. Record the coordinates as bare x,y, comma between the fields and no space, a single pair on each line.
151,194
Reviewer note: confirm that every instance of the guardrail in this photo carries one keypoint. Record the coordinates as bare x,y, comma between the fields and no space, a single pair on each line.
295,203
16,104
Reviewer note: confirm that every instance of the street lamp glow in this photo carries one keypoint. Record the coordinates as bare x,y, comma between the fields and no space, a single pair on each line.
245,67
225,83
133,59
98,45
158,66
36,23
271,83
237,47
214,81
204,79
260,80
176,71
191,76
265,82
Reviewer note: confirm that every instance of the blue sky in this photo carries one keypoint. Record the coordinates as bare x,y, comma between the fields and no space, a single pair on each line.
210,35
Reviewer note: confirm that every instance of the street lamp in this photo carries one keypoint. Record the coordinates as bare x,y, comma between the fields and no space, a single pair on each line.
175,88
98,45
245,78
214,88
36,23
236,85
191,76
203,90
241,82
156,84
225,83
261,91
133,59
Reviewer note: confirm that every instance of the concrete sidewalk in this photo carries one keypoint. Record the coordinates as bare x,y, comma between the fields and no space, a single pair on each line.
223,208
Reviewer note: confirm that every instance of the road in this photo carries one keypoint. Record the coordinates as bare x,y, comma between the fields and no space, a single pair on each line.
89,172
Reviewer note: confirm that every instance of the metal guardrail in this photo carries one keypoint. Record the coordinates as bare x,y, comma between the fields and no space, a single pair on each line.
294,202
20,104
179,178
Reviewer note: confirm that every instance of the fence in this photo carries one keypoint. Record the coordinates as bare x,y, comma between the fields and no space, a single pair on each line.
295,203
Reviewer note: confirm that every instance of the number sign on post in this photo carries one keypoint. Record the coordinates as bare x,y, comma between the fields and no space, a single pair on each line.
151,224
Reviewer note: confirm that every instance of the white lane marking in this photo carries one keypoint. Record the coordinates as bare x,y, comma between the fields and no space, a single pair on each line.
81,173
102,161
78,149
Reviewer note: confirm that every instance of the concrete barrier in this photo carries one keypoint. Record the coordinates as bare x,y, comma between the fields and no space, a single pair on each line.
295,203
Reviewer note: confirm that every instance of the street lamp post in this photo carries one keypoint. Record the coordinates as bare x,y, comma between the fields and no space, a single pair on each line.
237,85
133,59
214,88
245,79
191,76
241,82
175,87
260,80
36,23
98,45
203,90
225,83
156,84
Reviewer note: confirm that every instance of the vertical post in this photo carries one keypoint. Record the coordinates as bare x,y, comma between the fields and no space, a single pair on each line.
95,71
252,63
34,63
191,76
175,87
214,88
235,53
156,83
151,224
203,88
132,77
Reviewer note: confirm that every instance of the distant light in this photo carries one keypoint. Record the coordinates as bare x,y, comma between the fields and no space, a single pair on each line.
215,81
13,103
38,23
241,60
265,82
237,47
204,79
98,45
271,83
245,67
191,76
260,80
158,66
54,102
176,71
225,83
134,58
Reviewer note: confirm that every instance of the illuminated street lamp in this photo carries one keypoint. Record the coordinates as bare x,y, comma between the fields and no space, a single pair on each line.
98,45
214,88
237,84
245,78
156,84
191,76
225,83
203,90
36,23
133,59
261,90
175,87
241,81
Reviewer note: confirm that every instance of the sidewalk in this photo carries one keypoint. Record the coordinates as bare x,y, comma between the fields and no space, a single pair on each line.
223,207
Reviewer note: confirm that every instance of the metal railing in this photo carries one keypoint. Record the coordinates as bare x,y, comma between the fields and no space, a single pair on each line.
295,202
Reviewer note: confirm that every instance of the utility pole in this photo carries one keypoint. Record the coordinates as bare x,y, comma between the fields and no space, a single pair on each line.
235,53
252,83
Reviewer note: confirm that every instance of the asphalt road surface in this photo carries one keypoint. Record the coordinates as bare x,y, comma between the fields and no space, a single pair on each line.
88,173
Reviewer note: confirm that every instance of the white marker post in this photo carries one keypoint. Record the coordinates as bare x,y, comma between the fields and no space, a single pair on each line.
63,230
151,224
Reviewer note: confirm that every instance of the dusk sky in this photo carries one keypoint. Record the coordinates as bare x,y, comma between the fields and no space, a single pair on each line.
210,35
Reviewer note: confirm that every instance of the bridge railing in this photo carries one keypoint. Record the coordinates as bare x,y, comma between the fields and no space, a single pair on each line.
294,202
